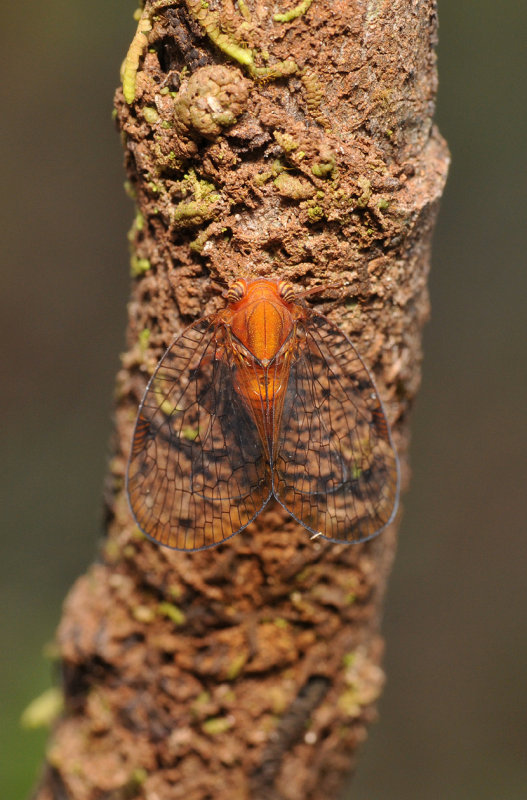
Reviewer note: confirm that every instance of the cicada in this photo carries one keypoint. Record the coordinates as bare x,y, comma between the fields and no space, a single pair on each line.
265,399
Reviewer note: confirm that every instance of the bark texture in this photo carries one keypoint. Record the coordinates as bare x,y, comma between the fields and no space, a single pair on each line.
261,139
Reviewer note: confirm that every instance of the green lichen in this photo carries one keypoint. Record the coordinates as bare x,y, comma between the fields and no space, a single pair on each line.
43,710
236,666
131,63
131,787
217,725
278,699
283,69
324,168
139,221
143,614
137,777
193,211
151,115
138,46
202,700
175,591
314,92
138,266
172,612
301,604
315,213
349,659
166,407
201,207
210,22
143,340
129,189
276,168
383,204
201,239
295,12
365,187
111,551
211,100
292,187
349,702
164,161
356,472
286,141
303,574
244,10
190,434
137,225
200,188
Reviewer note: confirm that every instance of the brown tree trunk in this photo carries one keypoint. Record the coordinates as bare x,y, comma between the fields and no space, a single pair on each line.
272,139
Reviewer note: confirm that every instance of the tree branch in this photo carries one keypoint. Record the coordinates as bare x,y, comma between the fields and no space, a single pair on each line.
295,143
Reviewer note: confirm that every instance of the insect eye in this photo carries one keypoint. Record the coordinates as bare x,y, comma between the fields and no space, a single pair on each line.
236,292
286,291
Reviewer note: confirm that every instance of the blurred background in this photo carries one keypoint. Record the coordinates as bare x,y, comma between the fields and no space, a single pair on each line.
453,718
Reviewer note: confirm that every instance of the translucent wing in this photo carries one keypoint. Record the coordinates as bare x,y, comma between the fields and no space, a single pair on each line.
197,473
335,468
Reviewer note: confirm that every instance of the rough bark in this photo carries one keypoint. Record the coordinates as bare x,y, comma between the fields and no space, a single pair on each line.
298,146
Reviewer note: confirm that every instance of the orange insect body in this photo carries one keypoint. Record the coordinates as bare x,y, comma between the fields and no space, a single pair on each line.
261,321
267,398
